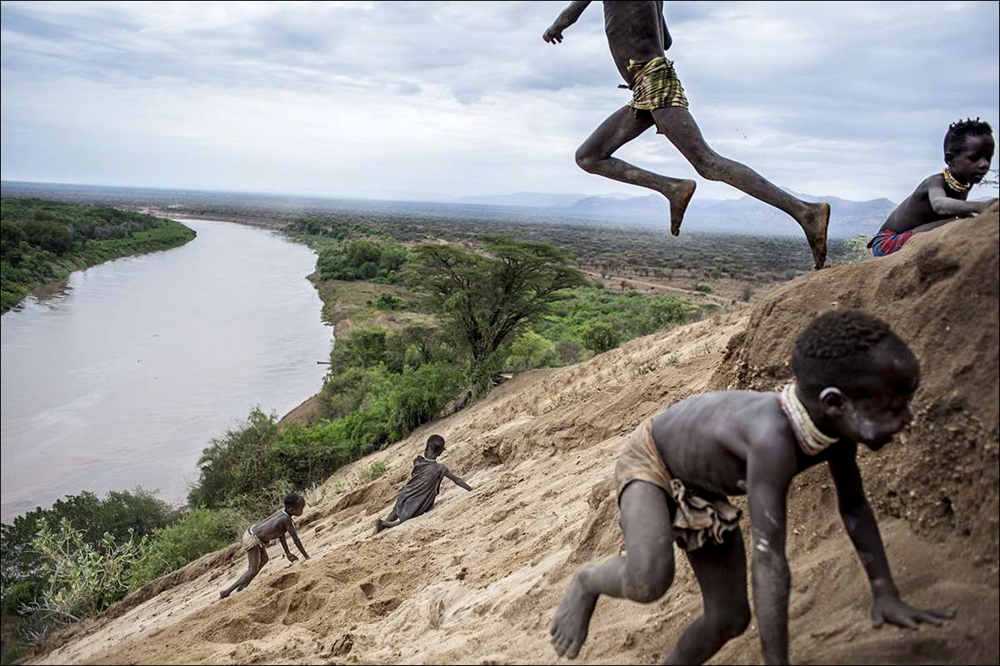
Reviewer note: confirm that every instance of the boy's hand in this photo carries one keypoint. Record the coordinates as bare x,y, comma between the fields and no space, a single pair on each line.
554,34
895,611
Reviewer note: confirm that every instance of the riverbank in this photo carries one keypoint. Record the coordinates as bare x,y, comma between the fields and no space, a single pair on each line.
44,242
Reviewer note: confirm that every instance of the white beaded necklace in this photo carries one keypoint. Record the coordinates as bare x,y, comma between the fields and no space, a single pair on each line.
810,438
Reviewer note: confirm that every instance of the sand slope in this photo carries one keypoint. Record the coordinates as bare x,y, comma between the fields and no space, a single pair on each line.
477,579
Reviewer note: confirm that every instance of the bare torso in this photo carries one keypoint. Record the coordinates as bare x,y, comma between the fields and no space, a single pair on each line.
916,209
706,440
274,526
636,31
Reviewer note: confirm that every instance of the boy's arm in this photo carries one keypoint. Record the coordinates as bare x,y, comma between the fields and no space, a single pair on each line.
284,545
457,480
295,539
942,204
769,473
859,520
567,18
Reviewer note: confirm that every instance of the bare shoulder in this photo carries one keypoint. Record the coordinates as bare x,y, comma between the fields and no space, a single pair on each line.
930,181
739,419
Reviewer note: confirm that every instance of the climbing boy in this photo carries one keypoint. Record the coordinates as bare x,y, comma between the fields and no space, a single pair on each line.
255,540
942,197
638,36
418,495
854,380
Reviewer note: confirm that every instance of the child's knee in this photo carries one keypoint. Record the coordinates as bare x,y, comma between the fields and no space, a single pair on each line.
733,623
708,166
647,582
586,160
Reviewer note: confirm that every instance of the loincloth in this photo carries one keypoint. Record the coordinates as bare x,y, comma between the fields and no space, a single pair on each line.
887,241
655,85
250,541
696,519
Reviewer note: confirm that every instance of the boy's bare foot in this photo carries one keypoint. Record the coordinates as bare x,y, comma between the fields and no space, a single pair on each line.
815,223
572,620
379,525
223,594
679,197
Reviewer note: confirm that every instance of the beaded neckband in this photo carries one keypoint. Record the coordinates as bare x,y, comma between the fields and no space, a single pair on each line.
810,438
953,183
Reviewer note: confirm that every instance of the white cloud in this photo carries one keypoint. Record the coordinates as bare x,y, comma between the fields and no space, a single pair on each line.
439,99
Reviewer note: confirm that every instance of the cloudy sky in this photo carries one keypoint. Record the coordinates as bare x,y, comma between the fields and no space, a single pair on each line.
432,100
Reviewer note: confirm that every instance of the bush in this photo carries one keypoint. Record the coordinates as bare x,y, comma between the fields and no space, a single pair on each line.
857,249
387,301
199,532
374,471
120,514
238,463
84,578
600,337
530,350
362,259
20,596
393,405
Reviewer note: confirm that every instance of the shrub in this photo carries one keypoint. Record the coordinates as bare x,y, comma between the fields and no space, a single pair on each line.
386,301
199,532
84,578
600,337
530,350
238,463
375,470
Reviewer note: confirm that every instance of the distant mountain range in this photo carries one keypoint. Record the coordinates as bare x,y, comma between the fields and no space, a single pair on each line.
744,215
741,216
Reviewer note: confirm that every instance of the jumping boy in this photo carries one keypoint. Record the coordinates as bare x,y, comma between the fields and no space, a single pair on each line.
638,36
854,379
256,537
942,198
418,495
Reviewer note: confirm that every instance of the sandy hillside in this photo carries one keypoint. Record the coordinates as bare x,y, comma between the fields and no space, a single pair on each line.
477,579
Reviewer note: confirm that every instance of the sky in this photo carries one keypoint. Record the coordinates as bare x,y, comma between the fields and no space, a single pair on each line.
437,100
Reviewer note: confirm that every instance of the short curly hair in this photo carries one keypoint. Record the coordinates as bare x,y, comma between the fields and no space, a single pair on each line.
839,348
959,131
293,500
435,445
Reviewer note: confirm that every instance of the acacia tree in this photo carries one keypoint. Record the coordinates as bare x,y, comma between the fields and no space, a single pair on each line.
485,296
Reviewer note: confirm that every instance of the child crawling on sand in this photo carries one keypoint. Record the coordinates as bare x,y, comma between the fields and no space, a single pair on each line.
256,537
418,495
942,197
854,380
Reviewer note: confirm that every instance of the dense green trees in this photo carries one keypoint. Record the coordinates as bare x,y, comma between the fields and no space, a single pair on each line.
43,241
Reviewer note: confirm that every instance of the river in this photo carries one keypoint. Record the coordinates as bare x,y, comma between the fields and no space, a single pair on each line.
123,377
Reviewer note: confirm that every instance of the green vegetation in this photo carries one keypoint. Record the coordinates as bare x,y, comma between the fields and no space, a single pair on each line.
43,242
361,259
119,515
376,470
598,320
198,532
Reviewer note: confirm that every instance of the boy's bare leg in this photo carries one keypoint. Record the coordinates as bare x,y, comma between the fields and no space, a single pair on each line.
263,561
594,156
643,574
722,576
253,568
677,124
